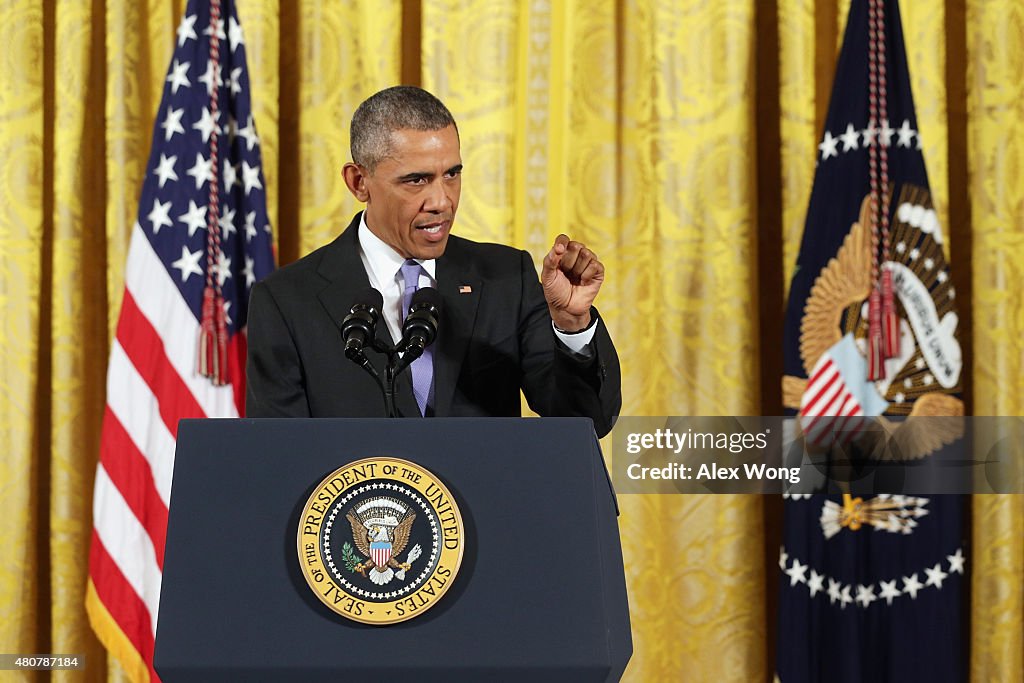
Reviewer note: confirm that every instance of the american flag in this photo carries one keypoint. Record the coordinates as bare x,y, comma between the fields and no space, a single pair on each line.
202,233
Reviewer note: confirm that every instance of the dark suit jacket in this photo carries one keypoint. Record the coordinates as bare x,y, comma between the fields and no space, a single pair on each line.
492,341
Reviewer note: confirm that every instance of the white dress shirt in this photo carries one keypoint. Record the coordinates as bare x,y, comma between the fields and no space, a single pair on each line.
384,268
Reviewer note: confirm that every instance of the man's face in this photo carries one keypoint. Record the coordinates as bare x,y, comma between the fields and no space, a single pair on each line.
412,195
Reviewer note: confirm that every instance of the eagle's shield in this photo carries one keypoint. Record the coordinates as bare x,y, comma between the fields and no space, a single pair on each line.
380,552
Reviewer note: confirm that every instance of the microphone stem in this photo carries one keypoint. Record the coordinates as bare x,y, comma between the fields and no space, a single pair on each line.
389,390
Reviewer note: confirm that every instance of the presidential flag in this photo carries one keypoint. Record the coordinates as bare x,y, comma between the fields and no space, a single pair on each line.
202,239
871,585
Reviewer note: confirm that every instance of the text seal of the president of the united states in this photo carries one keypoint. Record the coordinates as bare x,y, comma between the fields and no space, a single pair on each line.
380,540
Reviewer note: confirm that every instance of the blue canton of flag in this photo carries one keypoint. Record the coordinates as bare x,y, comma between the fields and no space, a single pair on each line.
871,588
173,210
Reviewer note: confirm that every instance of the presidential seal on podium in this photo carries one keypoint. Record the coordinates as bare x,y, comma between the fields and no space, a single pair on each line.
380,540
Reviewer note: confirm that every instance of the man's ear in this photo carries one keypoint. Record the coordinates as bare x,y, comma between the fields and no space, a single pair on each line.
355,179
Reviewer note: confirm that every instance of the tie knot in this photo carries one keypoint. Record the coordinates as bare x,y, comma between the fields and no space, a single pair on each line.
411,274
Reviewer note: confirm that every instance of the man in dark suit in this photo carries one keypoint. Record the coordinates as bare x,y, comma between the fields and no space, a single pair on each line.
500,329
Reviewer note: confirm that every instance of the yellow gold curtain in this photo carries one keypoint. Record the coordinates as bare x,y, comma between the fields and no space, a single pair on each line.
632,125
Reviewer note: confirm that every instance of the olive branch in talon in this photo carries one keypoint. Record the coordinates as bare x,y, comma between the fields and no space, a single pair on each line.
350,559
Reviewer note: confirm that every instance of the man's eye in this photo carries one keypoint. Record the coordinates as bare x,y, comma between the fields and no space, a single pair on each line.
416,181
453,174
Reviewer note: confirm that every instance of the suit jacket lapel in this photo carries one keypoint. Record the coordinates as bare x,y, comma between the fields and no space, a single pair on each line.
344,272
343,269
460,288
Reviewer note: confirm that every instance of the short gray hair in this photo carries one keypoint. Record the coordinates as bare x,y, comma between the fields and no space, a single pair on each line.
402,107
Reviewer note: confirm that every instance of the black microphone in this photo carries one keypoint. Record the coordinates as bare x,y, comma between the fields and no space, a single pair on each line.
420,328
358,329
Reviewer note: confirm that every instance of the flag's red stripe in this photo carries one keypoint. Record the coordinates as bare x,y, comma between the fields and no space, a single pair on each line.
812,404
145,349
130,472
237,349
122,602
842,414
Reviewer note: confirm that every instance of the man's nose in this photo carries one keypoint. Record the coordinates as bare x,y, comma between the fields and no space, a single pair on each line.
437,199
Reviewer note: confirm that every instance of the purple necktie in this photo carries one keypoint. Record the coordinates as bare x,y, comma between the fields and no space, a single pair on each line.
422,367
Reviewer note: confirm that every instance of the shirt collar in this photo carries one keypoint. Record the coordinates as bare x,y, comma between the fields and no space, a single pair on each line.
383,260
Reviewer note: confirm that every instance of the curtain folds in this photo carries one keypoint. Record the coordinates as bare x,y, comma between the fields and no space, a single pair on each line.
631,125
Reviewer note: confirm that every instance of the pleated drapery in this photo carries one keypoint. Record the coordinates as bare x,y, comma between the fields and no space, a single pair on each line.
677,139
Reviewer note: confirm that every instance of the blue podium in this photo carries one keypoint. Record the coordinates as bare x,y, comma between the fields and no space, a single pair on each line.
540,595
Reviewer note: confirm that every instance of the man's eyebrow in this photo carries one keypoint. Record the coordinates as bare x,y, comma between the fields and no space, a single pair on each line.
455,169
414,176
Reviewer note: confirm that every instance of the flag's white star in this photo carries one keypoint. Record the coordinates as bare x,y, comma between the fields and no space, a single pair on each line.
236,74
906,134
865,595
783,559
195,219
186,29
227,222
188,263
796,573
250,225
912,585
935,576
211,76
202,171
227,319
833,591
829,146
249,133
222,269
815,583
266,228
844,597
177,76
956,562
886,134
172,124
869,133
158,216
251,177
230,175
215,25
889,591
850,138
235,34
165,169
250,275
205,124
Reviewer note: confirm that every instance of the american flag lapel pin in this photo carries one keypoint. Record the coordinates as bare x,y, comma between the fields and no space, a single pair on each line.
465,289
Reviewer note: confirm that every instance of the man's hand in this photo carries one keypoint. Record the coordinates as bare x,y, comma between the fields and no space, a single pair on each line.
571,278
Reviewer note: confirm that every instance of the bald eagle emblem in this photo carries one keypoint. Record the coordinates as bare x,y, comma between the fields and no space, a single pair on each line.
380,530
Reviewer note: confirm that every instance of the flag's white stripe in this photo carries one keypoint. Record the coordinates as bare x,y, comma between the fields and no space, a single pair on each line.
821,423
127,542
136,408
818,407
160,301
827,374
